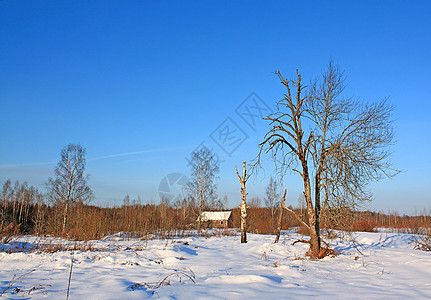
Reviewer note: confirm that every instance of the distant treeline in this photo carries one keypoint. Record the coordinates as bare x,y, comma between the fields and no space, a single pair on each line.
24,210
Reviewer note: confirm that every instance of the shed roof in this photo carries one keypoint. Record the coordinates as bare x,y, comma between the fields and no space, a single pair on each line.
215,215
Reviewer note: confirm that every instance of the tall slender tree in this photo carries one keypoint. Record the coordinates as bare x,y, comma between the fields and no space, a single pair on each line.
243,207
202,186
70,185
272,196
6,195
280,218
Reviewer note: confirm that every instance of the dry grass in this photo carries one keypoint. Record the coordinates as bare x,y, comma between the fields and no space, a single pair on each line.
219,232
51,247
324,252
423,241
186,274
12,284
264,256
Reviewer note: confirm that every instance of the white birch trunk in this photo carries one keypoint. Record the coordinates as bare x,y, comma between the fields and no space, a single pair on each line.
243,206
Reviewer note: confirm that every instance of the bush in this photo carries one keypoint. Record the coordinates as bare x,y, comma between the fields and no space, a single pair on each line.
363,225
8,232
423,241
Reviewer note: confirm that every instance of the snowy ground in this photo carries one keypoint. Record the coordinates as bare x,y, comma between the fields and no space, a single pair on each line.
217,268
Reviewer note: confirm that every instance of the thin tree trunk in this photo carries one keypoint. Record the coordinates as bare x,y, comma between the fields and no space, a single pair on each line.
280,218
200,215
243,206
65,216
4,208
243,220
317,208
21,206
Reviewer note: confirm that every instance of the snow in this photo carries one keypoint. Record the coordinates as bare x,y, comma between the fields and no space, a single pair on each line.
217,268
215,215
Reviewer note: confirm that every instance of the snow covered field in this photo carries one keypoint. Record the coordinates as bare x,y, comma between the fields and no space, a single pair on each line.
217,268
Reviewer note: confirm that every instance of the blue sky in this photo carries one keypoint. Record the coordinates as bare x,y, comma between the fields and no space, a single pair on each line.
140,84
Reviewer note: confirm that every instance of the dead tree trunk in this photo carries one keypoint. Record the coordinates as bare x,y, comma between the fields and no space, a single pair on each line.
280,218
243,206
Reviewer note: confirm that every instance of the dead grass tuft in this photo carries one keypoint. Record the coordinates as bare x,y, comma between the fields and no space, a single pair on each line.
167,280
324,252
423,241
219,233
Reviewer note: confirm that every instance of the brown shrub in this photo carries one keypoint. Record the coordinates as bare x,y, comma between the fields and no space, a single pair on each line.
324,251
8,232
423,241
364,225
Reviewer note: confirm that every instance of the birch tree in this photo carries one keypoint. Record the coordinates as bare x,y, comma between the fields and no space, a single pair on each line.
243,180
280,218
70,185
271,196
335,144
6,195
202,186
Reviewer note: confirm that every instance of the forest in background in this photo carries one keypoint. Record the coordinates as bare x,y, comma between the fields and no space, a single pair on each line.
25,210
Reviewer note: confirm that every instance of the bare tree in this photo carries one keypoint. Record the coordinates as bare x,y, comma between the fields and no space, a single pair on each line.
70,186
202,186
255,202
126,201
272,196
243,180
280,218
335,144
6,196
17,205
39,215
225,201
219,204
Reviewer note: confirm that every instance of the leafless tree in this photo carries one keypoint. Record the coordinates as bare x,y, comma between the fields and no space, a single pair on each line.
225,201
18,206
219,204
243,180
255,202
70,185
126,201
335,144
6,195
280,218
272,196
39,214
202,186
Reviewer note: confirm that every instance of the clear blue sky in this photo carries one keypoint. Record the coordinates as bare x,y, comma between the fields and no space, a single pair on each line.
152,80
